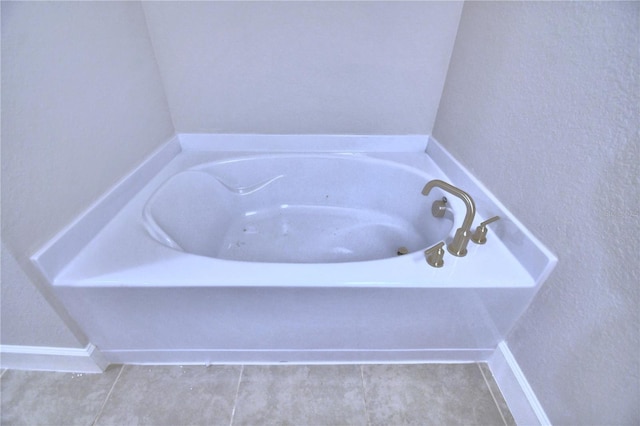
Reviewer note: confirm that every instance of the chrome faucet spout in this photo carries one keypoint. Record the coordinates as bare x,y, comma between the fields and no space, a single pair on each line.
457,247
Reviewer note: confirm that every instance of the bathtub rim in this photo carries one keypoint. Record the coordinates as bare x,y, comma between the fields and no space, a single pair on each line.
58,252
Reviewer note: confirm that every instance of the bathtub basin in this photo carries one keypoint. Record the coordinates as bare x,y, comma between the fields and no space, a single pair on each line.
295,208
245,248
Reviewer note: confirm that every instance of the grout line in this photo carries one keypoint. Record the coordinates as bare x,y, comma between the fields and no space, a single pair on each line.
364,396
235,400
108,396
495,401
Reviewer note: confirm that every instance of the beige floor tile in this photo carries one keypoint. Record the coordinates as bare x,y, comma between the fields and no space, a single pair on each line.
428,394
172,395
300,395
45,398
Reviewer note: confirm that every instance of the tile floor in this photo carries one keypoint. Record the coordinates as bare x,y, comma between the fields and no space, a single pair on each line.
413,394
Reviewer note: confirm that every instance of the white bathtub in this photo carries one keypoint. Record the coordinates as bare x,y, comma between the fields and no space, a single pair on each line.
232,248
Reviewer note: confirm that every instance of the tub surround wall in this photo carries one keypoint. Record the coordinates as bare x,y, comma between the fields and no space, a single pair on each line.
303,67
543,105
82,104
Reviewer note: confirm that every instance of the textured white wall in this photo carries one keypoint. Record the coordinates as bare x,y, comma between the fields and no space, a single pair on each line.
26,317
542,102
82,104
303,67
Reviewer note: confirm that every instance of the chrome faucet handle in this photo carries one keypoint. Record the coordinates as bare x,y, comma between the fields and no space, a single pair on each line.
435,255
480,236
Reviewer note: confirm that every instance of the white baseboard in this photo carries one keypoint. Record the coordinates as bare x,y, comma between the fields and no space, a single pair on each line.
515,388
43,358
